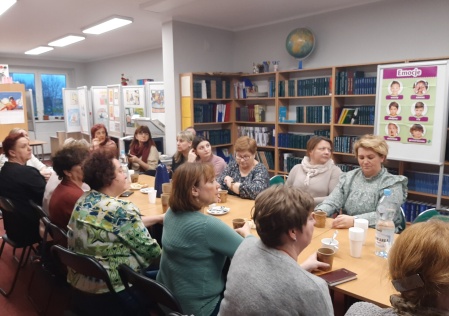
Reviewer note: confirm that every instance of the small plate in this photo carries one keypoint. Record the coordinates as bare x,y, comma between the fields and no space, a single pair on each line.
218,210
137,186
146,190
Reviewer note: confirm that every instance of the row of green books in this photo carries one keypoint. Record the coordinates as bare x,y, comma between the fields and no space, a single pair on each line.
266,157
216,137
212,89
320,114
345,144
350,82
304,87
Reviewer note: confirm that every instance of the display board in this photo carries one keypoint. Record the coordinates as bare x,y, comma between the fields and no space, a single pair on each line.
99,95
412,110
133,101
115,127
13,108
155,101
72,116
85,110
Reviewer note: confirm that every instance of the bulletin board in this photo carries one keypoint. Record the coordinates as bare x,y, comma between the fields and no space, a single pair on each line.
13,111
99,95
412,110
133,101
72,115
115,115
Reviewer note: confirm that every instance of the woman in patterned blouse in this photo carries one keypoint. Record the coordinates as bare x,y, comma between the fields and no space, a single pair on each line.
245,176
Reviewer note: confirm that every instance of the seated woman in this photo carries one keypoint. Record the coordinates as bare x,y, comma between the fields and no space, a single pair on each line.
110,229
284,221
245,176
359,190
196,245
184,141
33,161
100,139
143,154
202,152
418,268
317,173
67,165
20,183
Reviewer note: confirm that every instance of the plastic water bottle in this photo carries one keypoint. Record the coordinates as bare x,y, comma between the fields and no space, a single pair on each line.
386,209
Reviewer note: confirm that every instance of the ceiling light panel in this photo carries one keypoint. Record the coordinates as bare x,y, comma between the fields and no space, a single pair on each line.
108,25
5,5
67,40
39,50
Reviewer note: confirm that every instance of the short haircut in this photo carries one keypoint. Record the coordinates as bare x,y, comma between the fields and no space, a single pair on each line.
373,142
10,142
97,127
99,169
394,125
314,141
419,105
197,140
421,249
395,82
417,127
185,178
393,104
69,156
245,143
278,209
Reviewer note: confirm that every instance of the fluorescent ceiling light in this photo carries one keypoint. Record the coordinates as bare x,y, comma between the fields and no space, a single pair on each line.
67,40
5,5
39,50
159,6
108,25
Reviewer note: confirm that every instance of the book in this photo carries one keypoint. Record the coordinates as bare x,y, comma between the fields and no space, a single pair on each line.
338,276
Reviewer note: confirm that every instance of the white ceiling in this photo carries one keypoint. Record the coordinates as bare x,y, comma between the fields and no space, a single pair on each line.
32,23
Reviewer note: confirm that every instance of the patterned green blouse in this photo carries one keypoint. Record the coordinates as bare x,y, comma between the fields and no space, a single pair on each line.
112,231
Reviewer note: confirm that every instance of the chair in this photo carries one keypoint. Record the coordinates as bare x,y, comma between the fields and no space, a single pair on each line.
150,289
39,209
9,212
428,214
276,180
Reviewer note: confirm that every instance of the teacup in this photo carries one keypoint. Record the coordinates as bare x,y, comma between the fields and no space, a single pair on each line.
326,243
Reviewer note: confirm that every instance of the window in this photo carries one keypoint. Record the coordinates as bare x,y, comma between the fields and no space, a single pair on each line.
47,92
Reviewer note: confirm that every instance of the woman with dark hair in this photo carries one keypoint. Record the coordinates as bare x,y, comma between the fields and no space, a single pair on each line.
67,163
143,154
196,245
268,267
245,176
100,138
316,174
202,152
110,229
418,269
21,183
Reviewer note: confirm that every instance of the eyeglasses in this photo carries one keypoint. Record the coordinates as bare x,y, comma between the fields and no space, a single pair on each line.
324,149
244,158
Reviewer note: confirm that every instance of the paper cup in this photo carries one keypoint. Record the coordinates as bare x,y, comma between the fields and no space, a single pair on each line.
238,222
320,219
223,195
356,235
362,223
152,196
166,187
164,201
134,177
326,255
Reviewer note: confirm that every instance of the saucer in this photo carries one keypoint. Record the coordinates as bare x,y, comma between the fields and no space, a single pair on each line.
218,210
146,190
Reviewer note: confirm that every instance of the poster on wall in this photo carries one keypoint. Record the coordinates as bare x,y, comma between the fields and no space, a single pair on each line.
156,100
99,105
71,110
11,108
115,126
134,106
411,110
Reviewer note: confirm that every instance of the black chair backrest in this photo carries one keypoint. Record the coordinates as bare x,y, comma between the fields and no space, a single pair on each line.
82,264
58,235
39,209
149,288
6,205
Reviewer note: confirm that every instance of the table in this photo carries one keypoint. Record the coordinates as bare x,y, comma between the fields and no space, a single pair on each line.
372,283
36,144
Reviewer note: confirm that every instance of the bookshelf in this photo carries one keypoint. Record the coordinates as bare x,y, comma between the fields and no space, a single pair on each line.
298,104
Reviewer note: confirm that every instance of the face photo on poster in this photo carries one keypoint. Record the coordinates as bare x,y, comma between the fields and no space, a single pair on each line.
11,108
395,88
157,101
393,110
392,130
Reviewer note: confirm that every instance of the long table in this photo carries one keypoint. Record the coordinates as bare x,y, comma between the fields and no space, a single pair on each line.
372,284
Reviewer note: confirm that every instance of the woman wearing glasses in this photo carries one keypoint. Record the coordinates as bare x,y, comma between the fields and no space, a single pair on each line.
143,154
316,174
245,176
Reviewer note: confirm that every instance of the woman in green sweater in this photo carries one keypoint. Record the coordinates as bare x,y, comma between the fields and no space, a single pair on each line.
196,245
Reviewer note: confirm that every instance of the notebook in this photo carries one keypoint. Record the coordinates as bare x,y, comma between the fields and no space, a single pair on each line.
338,276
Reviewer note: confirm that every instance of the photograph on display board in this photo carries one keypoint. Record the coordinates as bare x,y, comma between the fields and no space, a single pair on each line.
73,117
132,97
74,98
11,108
157,101
132,113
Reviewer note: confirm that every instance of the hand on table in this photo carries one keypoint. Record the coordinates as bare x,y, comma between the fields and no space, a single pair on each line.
343,221
312,264
244,231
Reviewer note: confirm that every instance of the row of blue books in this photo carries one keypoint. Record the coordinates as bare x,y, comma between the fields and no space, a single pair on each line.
426,182
304,87
350,82
344,144
320,114
211,112
216,136
215,88
413,208
290,140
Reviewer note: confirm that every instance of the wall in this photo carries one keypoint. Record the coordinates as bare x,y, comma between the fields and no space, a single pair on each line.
385,31
142,65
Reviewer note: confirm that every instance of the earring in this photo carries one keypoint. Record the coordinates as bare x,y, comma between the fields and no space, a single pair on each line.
294,239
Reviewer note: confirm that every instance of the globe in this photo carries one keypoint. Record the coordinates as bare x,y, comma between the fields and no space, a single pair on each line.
300,43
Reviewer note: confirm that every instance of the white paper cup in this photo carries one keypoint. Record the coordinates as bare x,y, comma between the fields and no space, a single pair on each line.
326,243
356,241
362,223
152,196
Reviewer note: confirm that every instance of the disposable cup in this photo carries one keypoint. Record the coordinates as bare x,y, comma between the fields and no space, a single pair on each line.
238,222
356,241
152,196
326,255
320,219
223,195
164,201
362,223
134,177
166,187
330,243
